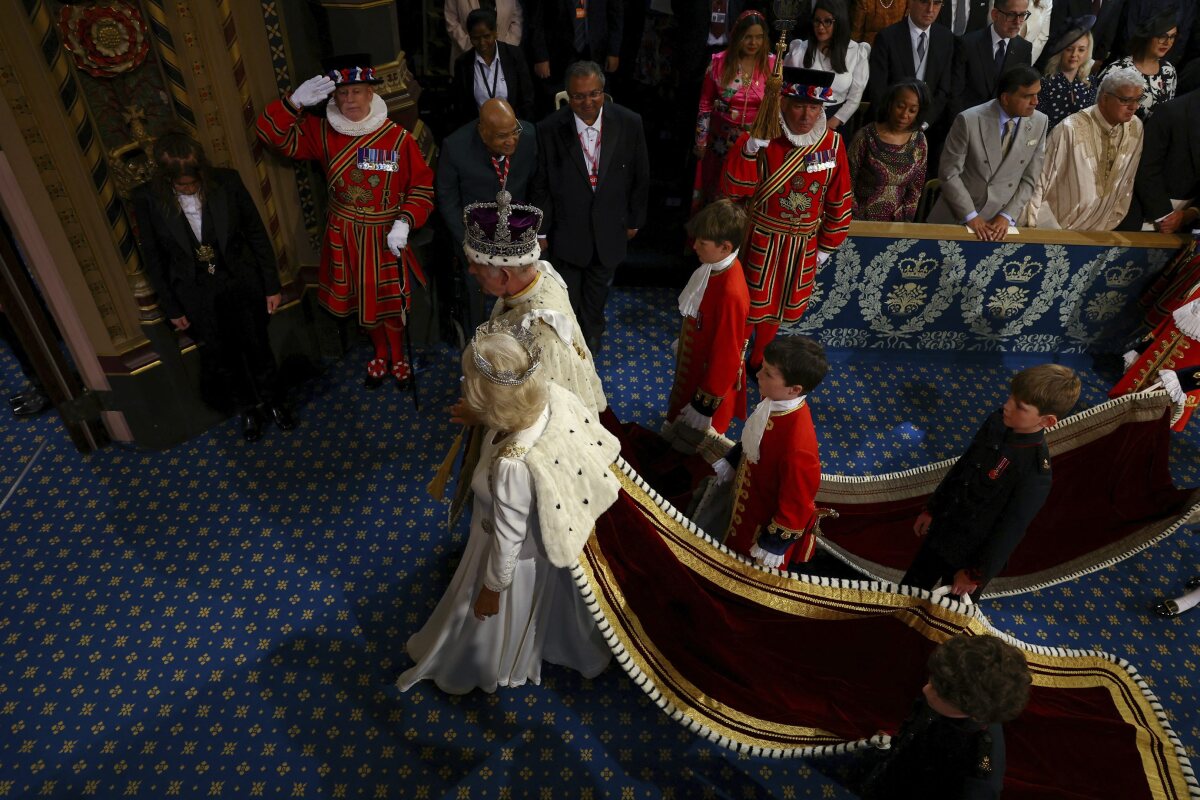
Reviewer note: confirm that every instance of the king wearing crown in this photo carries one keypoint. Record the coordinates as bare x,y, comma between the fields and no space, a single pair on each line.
501,248
798,188
380,190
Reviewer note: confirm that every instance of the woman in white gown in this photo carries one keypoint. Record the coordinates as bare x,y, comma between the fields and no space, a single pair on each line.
512,602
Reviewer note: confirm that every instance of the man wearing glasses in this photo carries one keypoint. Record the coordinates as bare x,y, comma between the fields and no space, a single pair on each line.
985,55
593,184
1091,161
495,153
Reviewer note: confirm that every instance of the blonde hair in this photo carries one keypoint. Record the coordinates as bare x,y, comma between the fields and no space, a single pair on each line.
1050,388
499,406
1085,69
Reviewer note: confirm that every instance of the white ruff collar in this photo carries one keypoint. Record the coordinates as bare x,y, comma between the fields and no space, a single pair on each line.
693,293
1187,319
804,139
368,124
756,425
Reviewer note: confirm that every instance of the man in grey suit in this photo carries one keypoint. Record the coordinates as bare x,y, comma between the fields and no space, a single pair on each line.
499,152
992,158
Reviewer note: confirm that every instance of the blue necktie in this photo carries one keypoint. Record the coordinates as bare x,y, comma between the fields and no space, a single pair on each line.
1000,57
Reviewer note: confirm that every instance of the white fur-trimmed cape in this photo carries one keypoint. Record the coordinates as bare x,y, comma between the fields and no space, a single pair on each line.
571,477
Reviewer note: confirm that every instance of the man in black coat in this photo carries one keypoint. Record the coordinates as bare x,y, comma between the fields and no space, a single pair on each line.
985,55
209,259
1169,171
561,32
896,56
497,152
964,16
1104,32
477,77
593,183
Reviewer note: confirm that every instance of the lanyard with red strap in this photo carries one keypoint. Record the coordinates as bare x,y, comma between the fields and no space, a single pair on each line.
591,159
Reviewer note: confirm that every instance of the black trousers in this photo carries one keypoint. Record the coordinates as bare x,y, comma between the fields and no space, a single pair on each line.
929,568
588,286
229,316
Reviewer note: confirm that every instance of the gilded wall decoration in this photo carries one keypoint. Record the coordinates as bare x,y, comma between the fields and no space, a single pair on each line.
105,39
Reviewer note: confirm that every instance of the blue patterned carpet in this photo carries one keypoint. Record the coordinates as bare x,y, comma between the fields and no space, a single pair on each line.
223,619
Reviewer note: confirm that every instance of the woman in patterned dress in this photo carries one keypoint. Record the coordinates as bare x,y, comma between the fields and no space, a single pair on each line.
1067,86
729,99
888,156
1148,47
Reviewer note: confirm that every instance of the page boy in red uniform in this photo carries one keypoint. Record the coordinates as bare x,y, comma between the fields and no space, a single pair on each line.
710,383
778,467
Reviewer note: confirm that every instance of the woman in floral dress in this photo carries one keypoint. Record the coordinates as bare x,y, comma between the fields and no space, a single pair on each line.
729,99
1148,47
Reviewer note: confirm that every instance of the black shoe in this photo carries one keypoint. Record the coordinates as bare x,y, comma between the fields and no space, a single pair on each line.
282,414
1167,608
252,423
31,405
17,399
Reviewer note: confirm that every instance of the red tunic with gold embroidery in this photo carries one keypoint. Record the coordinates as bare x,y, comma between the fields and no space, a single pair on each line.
373,180
1168,348
779,492
800,201
712,350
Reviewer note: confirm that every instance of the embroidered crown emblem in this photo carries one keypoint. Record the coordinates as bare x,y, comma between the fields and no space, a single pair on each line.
1119,277
1022,271
917,268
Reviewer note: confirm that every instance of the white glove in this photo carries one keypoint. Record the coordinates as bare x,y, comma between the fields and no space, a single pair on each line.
397,238
694,419
765,559
724,471
754,145
1170,382
313,91
1129,357
822,257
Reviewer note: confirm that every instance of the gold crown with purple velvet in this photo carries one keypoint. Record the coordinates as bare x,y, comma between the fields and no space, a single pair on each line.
350,68
812,85
502,234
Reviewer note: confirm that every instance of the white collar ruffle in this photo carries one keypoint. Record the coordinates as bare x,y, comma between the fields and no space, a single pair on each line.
804,139
1187,319
693,292
756,425
367,125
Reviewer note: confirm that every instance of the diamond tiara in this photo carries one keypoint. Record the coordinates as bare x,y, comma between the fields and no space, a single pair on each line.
524,337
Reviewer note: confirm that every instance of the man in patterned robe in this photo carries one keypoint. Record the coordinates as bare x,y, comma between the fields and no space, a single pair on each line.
380,190
798,185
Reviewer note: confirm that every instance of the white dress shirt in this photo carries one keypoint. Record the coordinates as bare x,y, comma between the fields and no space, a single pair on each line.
192,210
489,80
915,34
590,141
996,40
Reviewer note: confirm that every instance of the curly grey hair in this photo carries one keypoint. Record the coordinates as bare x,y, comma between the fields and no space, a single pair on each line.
1122,81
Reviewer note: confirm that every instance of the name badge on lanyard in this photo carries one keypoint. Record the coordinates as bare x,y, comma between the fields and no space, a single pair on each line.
820,161
378,159
718,17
